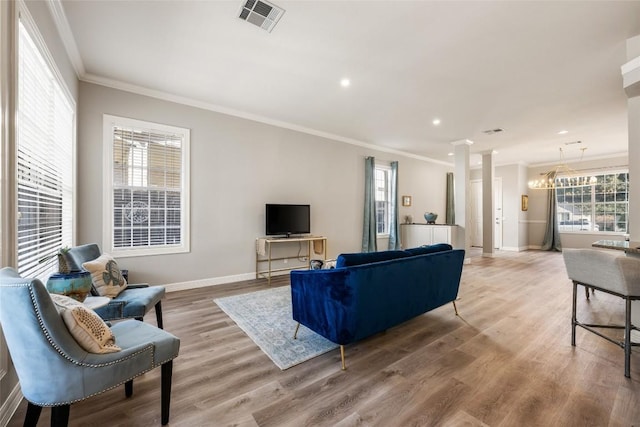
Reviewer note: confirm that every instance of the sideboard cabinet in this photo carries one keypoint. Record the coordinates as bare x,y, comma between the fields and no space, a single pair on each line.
414,235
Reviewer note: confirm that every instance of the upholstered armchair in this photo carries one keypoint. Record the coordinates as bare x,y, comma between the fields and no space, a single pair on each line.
132,303
53,368
610,272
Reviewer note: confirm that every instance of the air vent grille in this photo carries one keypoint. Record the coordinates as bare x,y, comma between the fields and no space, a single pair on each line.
261,14
573,142
493,131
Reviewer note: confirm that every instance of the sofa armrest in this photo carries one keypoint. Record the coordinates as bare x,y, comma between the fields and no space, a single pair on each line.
323,301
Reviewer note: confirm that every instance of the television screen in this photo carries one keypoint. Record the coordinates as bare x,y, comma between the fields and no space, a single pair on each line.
287,219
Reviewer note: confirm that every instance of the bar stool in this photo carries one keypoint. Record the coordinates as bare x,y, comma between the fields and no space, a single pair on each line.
612,273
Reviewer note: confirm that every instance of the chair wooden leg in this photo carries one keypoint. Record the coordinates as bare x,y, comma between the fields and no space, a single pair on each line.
128,388
33,415
159,314
60,416
165,391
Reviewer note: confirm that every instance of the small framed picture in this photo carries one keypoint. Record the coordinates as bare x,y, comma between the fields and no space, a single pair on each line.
406,200
525,202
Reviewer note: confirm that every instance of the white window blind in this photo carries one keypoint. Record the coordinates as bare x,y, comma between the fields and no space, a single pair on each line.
45,140
149,186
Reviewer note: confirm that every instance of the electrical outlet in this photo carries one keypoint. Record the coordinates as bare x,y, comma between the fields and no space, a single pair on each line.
285,261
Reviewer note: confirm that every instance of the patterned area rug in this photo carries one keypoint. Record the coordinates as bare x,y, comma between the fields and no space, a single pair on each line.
266,317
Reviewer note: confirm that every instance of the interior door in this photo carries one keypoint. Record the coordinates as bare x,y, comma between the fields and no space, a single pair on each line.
476,213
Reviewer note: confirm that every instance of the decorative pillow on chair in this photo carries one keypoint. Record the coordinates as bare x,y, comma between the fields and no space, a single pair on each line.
88,329
106,276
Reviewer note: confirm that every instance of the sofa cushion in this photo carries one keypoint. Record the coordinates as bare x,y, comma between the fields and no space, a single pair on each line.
349,260
429,249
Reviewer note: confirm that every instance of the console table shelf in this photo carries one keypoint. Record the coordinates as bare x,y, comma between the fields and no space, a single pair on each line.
315,246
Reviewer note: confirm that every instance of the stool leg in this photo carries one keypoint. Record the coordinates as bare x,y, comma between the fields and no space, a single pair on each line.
573,313
627,339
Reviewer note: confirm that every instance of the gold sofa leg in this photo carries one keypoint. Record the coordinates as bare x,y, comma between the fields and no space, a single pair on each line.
455,308
344,367
295,334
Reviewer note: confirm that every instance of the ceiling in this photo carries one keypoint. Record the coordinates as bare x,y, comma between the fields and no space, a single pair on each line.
530,68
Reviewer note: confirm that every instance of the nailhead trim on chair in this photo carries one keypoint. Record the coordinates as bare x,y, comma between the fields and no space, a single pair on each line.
93,365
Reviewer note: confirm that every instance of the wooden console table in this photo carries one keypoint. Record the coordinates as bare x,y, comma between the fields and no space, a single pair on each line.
316,245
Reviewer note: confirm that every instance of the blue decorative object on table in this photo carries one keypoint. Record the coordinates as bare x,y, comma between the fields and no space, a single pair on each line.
430,217
76,284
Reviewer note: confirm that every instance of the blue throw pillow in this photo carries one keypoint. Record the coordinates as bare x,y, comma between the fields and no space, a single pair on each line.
349,260
429,249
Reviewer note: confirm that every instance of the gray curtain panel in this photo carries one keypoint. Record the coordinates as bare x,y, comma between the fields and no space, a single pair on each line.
394,223
450,214
551,240
369,243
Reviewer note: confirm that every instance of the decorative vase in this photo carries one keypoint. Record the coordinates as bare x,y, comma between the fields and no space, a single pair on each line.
430,217
76,284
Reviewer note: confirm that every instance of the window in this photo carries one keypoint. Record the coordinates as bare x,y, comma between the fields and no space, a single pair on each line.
383,198
601,205
147,177
45,136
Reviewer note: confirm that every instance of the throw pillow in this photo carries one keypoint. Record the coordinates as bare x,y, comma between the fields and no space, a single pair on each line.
86,327
106,276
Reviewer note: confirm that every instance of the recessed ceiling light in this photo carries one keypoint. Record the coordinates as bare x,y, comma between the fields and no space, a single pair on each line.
436,122
469,141
345,82
562,132
449,154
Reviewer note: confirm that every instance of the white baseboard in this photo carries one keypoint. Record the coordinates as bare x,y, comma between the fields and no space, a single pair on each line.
514,248
536,247
10,405
203,283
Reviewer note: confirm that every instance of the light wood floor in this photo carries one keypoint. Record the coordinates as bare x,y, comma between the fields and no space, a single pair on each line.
506,361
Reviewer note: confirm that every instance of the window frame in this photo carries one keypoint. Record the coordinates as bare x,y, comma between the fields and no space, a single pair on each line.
387,226
593,203
24,18
109,122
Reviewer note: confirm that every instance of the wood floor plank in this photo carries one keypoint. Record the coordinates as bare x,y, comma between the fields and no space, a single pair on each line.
507,360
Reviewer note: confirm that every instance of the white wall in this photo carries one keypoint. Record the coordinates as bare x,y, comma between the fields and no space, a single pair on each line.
237,166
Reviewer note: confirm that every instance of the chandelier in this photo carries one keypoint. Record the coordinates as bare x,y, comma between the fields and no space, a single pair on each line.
562,176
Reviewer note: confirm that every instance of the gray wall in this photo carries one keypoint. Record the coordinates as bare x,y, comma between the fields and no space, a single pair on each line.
237,166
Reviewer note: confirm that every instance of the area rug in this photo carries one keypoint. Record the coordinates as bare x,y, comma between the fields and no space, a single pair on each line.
265,316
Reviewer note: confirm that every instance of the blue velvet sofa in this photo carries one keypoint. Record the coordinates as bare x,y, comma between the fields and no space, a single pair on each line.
368,293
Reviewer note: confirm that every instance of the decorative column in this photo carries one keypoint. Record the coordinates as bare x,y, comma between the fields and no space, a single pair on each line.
488,204
462,194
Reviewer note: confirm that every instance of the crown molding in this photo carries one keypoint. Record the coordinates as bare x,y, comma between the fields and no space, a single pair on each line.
165,96
69,42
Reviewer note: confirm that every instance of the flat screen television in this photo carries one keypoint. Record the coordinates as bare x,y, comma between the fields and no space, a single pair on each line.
287,219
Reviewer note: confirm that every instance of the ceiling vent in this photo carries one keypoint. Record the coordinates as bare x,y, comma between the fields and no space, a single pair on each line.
261,13
493,131
573,142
